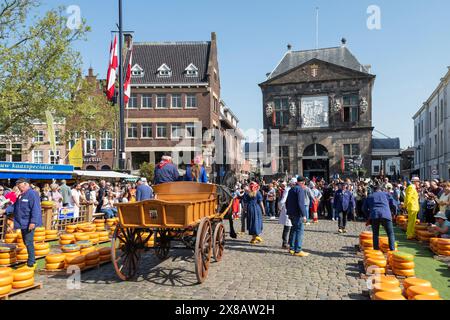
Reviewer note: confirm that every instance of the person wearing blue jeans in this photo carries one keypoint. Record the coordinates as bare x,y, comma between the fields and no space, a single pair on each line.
295,209
28,240
378,206
109,212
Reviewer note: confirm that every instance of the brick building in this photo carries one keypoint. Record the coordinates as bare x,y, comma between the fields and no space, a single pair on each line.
321,103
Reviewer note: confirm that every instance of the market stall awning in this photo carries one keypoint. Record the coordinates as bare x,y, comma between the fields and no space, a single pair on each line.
104,174
35,171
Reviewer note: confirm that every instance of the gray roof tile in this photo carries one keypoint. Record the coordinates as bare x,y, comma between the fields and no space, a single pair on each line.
382,144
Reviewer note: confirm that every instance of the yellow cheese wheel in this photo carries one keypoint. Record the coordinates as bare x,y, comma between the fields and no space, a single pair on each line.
64,242
55,266
70,248
377,262
72,254
445,242
51,237
90,263
41,246
103,234
401,256
386,279
39,233
370,256
100,229
444,253
422,297
23,283
39,229
443,247
92,255
6,262
23,274
41,253
51,232
75,260
6,281
82,237
39,239
10,241
8,255
105,258
103,239
22,257
87,250
404,265
404,272
104,251
5,271
67,237
20,246
22,250
375,270
55,258
421,290
415,282
5,290
387,287
94,235
386,296
11,236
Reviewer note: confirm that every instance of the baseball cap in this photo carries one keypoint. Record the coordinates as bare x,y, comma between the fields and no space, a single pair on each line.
300,179
22,180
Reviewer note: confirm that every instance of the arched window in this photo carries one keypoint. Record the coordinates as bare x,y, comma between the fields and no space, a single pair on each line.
315,151
91,168
106,168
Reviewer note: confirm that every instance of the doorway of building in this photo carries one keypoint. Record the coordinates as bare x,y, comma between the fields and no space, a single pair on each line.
316,162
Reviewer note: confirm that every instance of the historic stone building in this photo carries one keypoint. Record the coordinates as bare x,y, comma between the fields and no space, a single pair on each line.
321,103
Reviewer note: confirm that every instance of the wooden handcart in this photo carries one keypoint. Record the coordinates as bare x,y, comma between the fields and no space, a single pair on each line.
184,212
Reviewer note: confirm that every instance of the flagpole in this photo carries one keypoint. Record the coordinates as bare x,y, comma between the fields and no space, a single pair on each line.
121,97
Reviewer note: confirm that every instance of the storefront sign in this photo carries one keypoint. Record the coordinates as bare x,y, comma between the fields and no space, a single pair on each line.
93,160
66,213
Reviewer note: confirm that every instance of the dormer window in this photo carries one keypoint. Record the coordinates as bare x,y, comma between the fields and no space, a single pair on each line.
137,71
191,71
164,71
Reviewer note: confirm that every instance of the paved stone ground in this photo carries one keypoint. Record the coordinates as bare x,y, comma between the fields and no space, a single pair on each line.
246,272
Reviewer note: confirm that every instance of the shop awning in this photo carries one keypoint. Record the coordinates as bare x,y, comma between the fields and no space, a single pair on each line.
104,174
35,171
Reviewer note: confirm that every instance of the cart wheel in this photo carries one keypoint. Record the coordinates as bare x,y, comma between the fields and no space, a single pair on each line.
219,241
126,247
203,246
162,244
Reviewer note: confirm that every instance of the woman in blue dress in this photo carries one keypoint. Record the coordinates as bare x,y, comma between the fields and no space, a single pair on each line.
255,211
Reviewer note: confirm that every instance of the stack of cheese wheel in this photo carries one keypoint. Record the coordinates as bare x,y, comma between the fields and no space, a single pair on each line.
387,296
75,260
414,282
367,244
55,261
6,280
71,249
375,260
105,254
41,249
110,222
51,235
386,279
419,228
11,238
94,237
365,235
390,258
103,236
39,234
80,236
401,219
92,258
71,229
434,245
23,278
414,291
89,228
7,256
403,264
112,229
19,238
67,238
99,225
444,247
394,291
86,247
424,235
21,252
384,244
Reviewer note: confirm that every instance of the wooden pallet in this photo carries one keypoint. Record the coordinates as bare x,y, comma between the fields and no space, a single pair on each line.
19,291
64,271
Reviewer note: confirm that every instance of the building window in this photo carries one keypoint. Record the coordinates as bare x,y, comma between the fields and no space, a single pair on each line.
147,101
3,152
176,132
90,145
137,71
281,111
283,154
133,102
161,101
146,129
351,108
16,153
74,139
132,130
38,156
39,136
190,130
164,71
53,158
176,101
57,136
161,131
351,150
191,71
106,141
191,101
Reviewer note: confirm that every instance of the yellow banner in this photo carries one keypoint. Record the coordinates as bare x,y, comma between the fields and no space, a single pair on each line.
51,131
76,155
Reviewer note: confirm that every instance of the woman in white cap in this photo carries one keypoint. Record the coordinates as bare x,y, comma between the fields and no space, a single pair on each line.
442,226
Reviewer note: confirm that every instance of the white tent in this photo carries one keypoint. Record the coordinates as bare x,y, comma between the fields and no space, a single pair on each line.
104,174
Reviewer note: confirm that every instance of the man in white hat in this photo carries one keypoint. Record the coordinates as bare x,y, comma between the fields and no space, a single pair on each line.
412,206
284,219
442,226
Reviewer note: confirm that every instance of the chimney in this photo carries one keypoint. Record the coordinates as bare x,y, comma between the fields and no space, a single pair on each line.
368,67
343,42
289,47
128,40
213,37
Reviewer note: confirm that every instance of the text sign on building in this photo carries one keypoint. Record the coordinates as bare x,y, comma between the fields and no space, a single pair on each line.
314,112
35,167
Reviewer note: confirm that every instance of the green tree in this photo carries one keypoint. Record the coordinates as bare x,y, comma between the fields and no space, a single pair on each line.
39,69
147,170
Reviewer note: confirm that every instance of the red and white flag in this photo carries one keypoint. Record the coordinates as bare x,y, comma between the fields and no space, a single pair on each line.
113,64
127,85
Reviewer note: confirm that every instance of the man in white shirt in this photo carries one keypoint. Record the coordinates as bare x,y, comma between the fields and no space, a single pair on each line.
75,200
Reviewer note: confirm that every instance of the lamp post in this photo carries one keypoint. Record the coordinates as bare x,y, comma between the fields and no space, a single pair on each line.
121,97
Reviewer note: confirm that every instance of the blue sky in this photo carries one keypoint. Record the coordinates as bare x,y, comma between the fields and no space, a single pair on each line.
409,54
